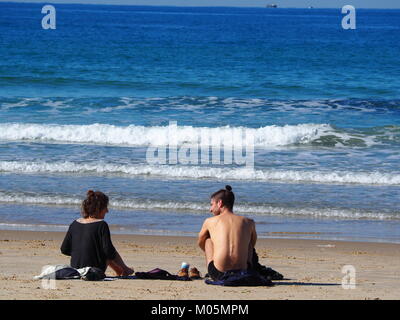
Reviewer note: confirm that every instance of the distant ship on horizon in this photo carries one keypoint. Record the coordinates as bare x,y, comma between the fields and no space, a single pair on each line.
272,5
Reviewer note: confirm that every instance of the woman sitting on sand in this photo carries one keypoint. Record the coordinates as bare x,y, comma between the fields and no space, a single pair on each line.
88,239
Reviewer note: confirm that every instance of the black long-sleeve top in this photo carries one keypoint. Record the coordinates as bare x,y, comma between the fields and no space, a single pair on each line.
88,244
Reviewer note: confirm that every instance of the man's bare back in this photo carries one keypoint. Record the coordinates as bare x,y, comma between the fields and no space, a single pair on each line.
227,239
232,240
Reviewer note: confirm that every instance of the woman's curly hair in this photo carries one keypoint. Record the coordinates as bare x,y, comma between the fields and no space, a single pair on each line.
94,204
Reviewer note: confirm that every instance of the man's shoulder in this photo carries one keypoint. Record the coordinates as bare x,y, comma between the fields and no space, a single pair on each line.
211,220
246,219
249,220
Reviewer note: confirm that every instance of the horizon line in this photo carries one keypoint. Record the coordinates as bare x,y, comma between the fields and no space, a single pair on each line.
188,6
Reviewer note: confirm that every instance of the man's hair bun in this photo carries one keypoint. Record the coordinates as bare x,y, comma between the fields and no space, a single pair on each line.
228,188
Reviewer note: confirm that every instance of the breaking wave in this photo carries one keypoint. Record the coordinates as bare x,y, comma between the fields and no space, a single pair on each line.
194,207
134,135
199,172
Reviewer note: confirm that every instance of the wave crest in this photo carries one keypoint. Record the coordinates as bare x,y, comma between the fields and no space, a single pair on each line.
198,172
132,135
263,209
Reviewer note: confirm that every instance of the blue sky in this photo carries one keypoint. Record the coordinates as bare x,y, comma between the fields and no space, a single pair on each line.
241,3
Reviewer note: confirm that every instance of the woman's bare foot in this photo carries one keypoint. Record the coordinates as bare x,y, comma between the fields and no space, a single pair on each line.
127,272
117,268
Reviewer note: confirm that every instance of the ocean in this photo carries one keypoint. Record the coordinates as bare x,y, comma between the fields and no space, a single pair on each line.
81,106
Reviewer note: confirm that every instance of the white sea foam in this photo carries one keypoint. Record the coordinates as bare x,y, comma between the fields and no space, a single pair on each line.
203,172
268,136
194,207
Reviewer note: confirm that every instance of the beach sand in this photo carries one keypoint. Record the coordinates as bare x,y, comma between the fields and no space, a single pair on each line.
313,269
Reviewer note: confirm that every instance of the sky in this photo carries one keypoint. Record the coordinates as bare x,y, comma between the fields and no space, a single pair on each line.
392,4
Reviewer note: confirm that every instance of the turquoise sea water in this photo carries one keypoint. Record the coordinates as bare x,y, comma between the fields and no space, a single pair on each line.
80,106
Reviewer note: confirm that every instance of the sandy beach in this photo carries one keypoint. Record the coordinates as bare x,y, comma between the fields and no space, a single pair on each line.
312,269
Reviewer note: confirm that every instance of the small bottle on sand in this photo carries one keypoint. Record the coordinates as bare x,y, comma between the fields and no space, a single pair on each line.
184,270
185,265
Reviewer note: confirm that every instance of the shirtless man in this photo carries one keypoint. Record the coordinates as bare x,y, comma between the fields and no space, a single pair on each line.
226,238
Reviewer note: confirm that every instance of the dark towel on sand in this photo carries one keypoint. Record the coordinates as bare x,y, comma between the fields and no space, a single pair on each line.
64,274
264,271
236,278
159,274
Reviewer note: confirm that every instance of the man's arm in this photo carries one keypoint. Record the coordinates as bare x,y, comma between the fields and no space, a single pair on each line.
253,234
203,235
252,243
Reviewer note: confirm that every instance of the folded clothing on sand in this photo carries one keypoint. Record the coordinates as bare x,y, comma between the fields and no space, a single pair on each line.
160,274
264,271
268,273
65,272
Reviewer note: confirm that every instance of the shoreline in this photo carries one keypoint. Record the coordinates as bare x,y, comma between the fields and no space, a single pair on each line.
59,236
273,235
312,269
